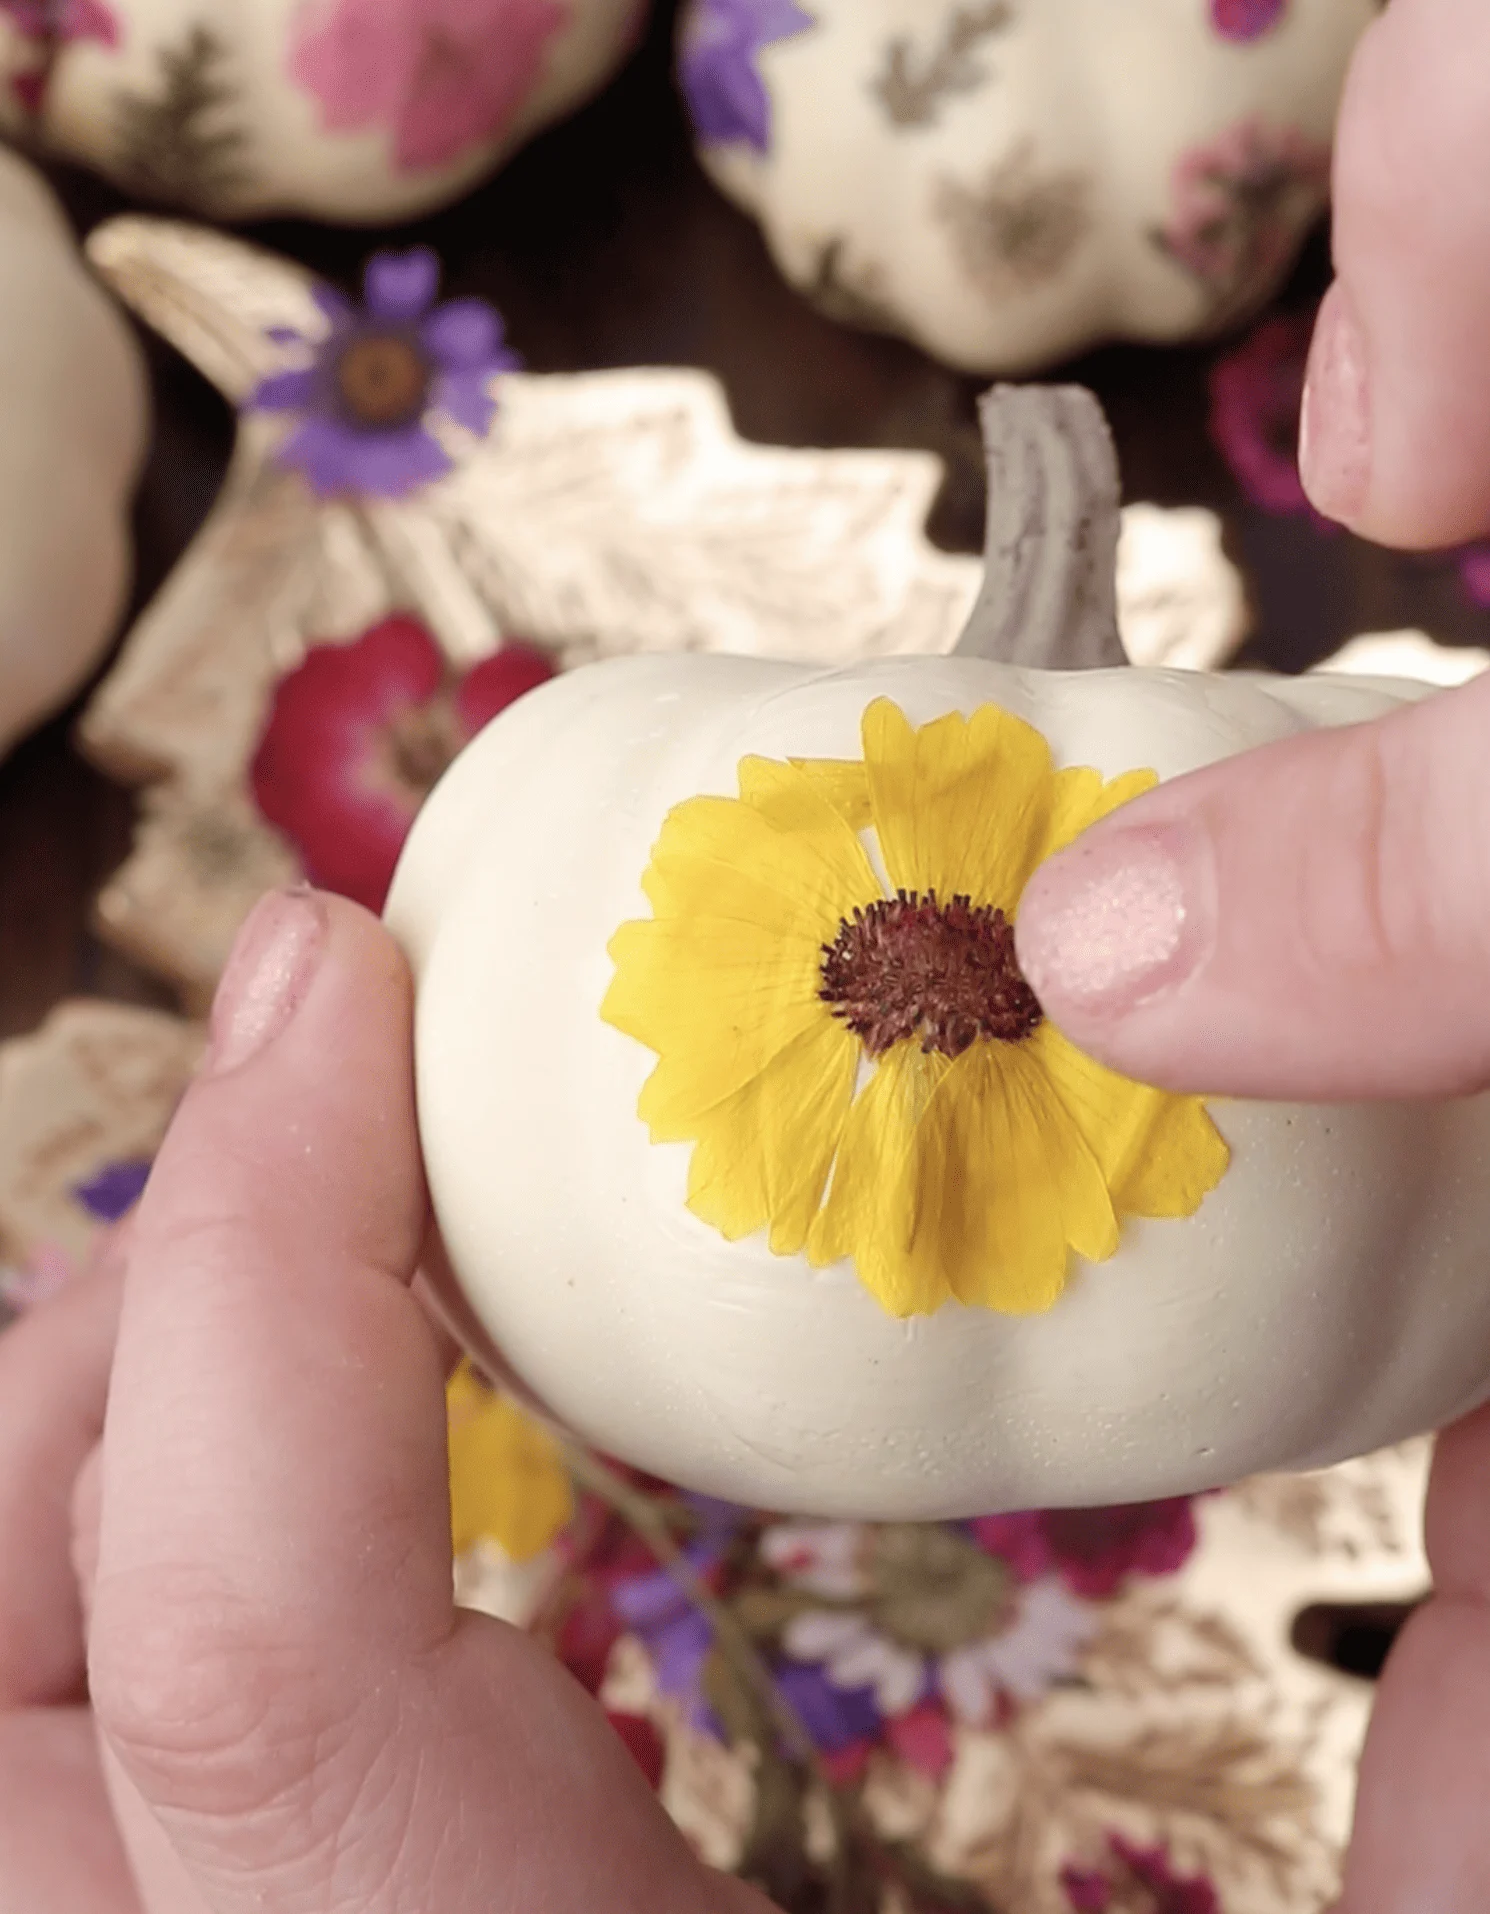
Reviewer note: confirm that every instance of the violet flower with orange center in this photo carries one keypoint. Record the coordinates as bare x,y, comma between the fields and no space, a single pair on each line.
388,380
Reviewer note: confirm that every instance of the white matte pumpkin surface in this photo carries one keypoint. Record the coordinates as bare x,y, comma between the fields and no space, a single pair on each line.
1328,1298
72,398
1010,181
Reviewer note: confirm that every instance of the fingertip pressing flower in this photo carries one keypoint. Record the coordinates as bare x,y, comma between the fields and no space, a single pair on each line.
717,67
864,1073
386,380
358,735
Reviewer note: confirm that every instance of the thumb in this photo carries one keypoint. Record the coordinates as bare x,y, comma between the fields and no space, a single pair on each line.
1395,437
276,1664
1310,920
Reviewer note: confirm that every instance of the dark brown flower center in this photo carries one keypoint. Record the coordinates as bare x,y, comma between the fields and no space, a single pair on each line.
414,748
383,380
911,966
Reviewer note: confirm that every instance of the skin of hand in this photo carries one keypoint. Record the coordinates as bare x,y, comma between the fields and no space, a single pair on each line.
231,1673
1312,920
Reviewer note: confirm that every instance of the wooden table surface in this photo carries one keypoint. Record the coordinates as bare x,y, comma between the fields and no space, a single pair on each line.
603,245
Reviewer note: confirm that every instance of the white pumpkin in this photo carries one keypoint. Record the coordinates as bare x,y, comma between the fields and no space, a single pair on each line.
73,399
355,110
1324,1299
1010,181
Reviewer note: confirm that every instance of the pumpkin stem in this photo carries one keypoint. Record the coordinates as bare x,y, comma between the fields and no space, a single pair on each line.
1049,596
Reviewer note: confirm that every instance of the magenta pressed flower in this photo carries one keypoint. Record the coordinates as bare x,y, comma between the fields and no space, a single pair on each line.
1246,19
384,377
62,20
442,76
1255,393
1093,1551
1137,1878
356,738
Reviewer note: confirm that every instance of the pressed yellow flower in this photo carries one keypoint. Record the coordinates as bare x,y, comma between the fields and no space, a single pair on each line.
863,1071
508,1483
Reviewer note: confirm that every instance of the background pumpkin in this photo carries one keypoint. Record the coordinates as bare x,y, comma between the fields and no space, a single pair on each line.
343,109
1010,181
73,399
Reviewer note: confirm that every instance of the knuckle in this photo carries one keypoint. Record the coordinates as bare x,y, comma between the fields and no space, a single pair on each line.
206,1706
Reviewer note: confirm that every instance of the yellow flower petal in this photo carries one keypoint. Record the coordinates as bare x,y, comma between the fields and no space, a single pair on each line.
960,805
508,1483
763,1156
844,783
870,1213
1079,798
717,1000
1161,1154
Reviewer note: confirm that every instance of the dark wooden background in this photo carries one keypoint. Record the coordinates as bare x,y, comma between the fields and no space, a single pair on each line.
604,245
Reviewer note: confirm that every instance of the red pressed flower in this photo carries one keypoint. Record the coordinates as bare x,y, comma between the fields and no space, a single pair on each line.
1094,1551
357,737
586,1636
922,1737
644,1743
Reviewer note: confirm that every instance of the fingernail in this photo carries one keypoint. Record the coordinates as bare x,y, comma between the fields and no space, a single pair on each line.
1335,419
1104,926
267,975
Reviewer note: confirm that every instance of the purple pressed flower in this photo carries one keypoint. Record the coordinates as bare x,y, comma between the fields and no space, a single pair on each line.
727,99
836,1718
1246,19
113,1190
381,374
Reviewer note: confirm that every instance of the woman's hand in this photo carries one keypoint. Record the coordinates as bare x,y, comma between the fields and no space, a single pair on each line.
287,1711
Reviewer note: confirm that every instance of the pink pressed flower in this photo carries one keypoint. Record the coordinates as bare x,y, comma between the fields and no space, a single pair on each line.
62,20
441,75
1093,1551
357,737
1256,391
1238,202
1246,19
1146,1870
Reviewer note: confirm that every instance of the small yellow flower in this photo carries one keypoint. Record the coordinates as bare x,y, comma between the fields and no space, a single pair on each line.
867,1073
508,1483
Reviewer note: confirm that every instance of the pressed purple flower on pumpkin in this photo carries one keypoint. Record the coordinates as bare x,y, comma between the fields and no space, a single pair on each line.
1246,19
725,94
1146,1870
1093,1551
441,75
357,736
382,375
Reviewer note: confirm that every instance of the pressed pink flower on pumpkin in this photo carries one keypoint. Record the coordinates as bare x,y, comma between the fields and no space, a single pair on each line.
357,737
441,75
1237,204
